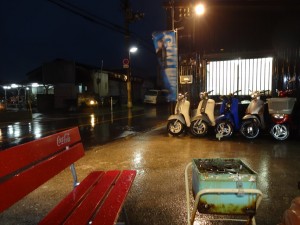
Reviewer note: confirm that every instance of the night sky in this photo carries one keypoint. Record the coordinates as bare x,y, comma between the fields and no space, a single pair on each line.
37,31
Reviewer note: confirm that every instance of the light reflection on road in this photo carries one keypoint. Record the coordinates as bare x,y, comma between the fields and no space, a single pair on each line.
94,128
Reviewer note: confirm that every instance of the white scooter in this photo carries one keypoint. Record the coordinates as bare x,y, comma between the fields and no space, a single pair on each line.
180,120
204,116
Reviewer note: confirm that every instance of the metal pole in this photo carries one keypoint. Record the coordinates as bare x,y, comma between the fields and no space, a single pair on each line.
25,95
5,98
111,103
99,79
172,105
238,76
129,99
173,15
177,69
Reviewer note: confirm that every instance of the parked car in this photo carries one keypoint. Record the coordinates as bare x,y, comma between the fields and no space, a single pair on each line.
87,100
156,96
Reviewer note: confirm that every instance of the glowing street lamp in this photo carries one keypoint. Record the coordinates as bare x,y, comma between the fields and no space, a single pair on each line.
133,49
199,9
129,99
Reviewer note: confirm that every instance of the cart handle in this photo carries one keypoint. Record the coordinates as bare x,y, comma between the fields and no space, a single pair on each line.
187,192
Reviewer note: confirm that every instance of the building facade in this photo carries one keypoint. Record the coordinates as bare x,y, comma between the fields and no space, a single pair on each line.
63,82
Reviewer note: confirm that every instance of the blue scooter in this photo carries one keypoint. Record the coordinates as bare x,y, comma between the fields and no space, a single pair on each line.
228,121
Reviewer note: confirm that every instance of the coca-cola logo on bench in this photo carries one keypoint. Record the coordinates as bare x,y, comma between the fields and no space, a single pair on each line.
61,140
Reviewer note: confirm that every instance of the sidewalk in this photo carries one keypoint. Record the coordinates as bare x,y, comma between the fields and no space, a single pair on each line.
158,193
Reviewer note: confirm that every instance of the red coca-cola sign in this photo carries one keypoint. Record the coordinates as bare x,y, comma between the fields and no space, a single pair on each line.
62,140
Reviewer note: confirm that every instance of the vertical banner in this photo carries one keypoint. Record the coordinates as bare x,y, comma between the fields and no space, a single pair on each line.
166,50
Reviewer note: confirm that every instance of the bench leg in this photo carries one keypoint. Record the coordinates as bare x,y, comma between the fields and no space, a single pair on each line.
74,174
125,218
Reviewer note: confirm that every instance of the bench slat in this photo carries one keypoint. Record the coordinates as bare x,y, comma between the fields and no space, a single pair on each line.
109,211
20,185
60,213
97,200
86,209
17,157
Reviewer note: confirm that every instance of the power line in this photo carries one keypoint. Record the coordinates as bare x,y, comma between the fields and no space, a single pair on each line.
99,21
88,16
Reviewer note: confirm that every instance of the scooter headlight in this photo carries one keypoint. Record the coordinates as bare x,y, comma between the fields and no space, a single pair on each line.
278,116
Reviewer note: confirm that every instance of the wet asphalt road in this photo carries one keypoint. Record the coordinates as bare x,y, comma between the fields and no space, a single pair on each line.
96,127
158,193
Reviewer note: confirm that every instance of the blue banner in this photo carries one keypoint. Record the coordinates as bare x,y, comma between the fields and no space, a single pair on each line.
166,50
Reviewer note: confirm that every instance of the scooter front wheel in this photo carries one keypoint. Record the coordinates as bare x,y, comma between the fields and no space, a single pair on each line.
175,127
250,129
224,128
199,128
280,131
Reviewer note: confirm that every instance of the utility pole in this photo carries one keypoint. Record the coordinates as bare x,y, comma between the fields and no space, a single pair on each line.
129,17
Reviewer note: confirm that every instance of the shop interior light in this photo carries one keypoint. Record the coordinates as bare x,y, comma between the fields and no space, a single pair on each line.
34,85
14,85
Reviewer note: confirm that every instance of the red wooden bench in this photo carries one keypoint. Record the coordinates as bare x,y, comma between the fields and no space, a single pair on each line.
98,199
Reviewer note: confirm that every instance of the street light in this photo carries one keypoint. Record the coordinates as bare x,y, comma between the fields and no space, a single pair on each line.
129,99
133,50
199,9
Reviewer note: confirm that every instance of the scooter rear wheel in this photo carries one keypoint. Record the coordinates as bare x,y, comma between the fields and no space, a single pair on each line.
224,128
175,127
250,129
199,129
280,132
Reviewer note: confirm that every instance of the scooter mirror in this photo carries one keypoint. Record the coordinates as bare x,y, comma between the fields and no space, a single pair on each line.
203,95
180,96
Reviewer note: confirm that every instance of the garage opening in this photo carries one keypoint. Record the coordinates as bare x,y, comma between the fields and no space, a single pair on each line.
240,74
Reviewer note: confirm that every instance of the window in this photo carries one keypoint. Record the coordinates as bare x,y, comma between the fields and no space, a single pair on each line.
241,74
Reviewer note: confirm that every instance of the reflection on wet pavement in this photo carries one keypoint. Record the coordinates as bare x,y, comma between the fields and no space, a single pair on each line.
158,193
95,128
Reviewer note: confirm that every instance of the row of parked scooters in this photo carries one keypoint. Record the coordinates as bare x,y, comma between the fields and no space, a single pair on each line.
228,122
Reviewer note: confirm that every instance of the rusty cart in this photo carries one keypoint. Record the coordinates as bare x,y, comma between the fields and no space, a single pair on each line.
222,187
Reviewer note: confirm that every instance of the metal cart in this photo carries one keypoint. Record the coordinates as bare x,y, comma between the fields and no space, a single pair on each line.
222,187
